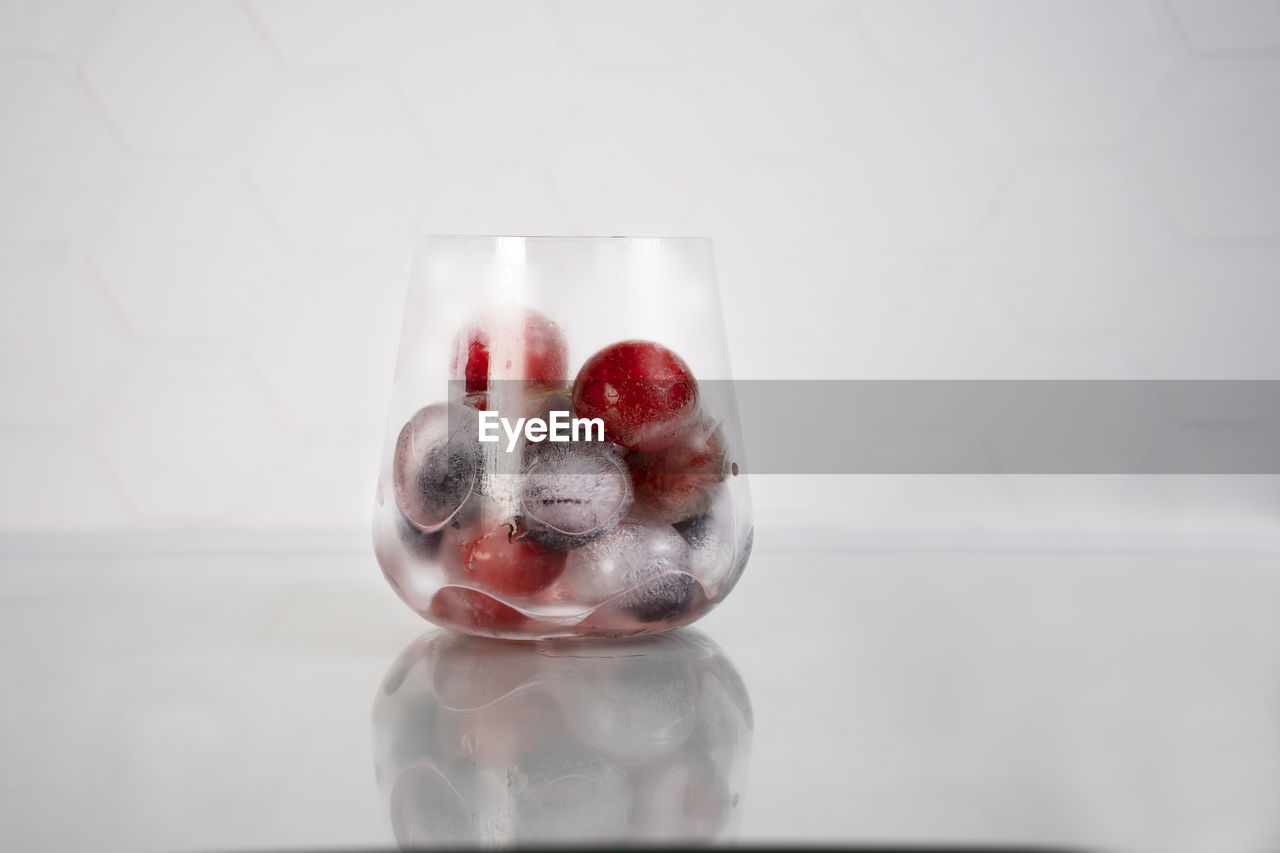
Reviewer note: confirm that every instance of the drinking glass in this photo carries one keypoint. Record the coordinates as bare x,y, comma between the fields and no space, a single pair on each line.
563,455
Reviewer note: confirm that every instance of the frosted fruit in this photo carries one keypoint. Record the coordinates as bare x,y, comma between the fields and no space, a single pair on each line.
573,493
435,463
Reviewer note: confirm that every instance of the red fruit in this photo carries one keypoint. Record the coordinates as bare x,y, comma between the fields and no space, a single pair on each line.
645,394
469,610
510,343
679,481
497,564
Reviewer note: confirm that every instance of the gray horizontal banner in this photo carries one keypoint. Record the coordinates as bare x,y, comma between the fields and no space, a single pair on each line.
1010,427
999,426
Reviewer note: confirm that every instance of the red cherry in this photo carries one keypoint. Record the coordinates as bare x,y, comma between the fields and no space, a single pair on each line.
494,562
514,334
678,482
470,610
645,394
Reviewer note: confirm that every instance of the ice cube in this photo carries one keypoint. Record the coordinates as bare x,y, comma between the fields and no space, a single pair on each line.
711,540
644,563
435,464
573,493
680,482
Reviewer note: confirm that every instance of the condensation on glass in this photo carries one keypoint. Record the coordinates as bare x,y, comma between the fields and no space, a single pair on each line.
526,537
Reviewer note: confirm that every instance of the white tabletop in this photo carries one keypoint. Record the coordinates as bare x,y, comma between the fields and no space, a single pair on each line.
1128,701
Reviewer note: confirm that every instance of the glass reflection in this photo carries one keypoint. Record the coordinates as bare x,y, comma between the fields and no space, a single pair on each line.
480,741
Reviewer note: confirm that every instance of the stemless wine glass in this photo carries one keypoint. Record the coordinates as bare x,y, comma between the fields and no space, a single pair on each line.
563,453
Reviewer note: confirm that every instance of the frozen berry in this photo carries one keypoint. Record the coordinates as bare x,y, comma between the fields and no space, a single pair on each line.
712,543
662,599
573,493
645,394
679,481
435,463
643,566
472,611
510,343
498,562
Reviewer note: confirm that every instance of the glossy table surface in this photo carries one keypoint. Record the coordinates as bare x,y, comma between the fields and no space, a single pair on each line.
1115,701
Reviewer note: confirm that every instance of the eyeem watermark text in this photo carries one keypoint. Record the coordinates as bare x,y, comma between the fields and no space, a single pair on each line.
558,426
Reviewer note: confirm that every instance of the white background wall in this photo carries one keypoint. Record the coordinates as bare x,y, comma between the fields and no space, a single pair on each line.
206,208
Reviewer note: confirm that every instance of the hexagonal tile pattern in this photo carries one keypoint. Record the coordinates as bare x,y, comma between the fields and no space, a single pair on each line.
1078,75
1216,317
654,34
1229,25
929,36
55,484
334,33
59,340
998,188
191,77
31,28
771,224
941,299
634,162
483,80
490,198
188,253
1215,153
767,99
921,173
191,441
340,167
927,165
870,305
317,384
61,171
1073,249
47,27
323,480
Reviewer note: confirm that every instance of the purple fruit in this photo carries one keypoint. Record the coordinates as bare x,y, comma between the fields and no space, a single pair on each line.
645,564
661,599
573,493
435,464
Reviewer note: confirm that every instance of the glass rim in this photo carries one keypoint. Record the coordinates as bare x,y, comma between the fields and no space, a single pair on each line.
672,238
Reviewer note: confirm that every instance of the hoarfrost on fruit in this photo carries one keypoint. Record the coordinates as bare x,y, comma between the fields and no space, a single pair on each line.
574,493
644,563
498,562
435,464
508,522
711,538
679,481
509,343
645,394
